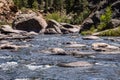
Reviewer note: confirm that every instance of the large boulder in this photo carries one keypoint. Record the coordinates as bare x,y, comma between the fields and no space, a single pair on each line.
30,22
53,27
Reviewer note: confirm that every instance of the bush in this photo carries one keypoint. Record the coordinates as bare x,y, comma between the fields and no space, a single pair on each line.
58,17
105,19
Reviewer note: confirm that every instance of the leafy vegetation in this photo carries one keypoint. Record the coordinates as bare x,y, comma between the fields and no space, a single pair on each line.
105,19
58,17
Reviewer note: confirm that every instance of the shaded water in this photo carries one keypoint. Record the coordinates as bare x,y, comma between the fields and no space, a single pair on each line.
31,64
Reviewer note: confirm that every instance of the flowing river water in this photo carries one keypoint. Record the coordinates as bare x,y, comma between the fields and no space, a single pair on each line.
33,64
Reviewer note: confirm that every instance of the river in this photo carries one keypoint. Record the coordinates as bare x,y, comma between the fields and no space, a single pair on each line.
33,64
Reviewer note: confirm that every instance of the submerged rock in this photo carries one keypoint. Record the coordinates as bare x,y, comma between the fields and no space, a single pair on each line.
90,38
104,47
55,51
76,64
9,46
75,46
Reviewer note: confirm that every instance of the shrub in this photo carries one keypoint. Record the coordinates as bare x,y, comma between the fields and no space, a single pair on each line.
58,17
105,19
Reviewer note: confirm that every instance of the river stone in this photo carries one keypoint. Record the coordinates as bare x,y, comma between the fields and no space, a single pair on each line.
90,38
81,54
57,51
69,28
51,31
30,22
11,46
103,47
76,64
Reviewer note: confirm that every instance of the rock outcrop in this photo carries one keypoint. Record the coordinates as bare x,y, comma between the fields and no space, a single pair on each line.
30,22
55,27
7,11
97,9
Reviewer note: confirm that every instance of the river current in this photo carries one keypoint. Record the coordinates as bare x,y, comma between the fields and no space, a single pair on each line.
33,64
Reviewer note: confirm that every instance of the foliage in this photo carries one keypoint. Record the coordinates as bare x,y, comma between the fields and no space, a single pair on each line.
79,8
79,18
58,17
105,19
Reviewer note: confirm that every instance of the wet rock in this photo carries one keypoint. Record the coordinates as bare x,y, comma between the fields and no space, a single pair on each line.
53,27
30,22
104,47
9,46
76,64
57,51
51,31
90,38
32,33
81,54
69,28
70,42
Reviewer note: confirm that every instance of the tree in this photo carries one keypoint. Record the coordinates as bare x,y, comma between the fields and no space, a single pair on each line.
30,3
